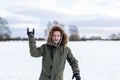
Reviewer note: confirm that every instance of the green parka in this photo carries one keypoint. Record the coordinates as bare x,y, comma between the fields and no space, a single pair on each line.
53,60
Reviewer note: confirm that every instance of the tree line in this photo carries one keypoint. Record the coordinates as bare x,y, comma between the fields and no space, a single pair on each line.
5,33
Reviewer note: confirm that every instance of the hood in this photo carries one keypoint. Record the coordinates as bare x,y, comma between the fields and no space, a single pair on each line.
64,35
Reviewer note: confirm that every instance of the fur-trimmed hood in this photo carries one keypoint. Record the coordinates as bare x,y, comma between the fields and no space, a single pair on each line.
64,35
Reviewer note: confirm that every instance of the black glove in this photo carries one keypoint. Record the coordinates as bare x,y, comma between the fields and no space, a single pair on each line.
77,76
30,33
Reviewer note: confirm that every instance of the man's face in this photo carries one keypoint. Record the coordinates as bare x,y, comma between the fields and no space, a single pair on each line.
56,37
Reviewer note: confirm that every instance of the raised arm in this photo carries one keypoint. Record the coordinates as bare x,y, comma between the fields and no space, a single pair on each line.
34,51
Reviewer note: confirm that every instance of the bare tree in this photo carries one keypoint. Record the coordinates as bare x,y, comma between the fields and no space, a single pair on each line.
74,34
4,30
115,36
73,29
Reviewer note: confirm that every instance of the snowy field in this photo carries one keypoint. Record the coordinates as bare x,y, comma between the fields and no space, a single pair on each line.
98,60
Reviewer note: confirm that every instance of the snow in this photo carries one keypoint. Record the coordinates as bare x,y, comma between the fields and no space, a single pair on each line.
98,60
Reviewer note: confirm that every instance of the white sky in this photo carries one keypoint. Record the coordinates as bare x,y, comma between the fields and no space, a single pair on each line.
110,8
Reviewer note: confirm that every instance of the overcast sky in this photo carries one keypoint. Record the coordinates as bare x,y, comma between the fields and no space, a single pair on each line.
92,16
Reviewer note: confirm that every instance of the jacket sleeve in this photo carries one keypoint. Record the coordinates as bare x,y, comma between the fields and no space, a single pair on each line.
34,51
73,62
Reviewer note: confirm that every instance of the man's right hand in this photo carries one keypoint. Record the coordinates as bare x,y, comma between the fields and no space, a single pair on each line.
30,33
77,76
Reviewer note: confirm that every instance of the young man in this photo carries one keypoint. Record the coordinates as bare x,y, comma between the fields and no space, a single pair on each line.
54,53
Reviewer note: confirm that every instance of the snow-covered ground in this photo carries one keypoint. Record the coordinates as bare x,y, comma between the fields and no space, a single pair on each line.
98,60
